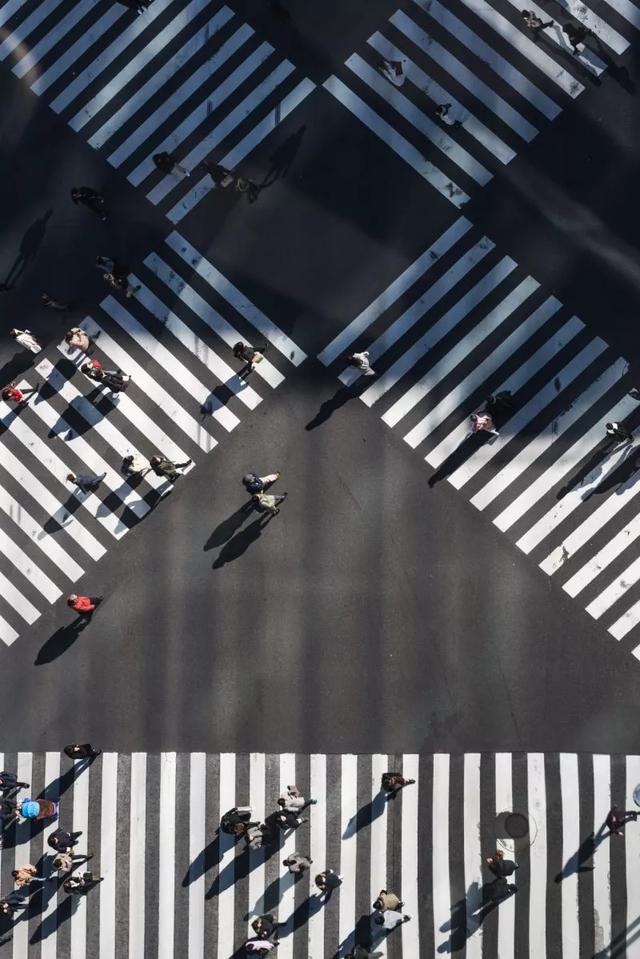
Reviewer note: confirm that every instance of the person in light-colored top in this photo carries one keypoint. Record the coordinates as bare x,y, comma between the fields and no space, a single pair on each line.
361,362
392,71
27,339
135,465
293,801
389,919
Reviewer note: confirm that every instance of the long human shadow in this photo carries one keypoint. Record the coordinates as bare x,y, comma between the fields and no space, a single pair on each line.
61,641
223,533
65,909
16,367
282,157
598,461
458,927
576,862
29,246
619,945
337,401
241,542
619,479
360,936
617,73
365,815
204,861
241,866
271,896
458,456
300,916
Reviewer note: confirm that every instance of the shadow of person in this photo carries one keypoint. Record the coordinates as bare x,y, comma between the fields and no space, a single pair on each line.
617,73
304,912
283,156
361,936
337,401
52,923
576,862
270,898
61,640
458,926
16,367
240,543
365,815
205,860
243,864
457,457
227,528
29,246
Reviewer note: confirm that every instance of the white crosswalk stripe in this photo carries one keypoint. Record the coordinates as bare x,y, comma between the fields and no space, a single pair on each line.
94,70
511,81
181,393
189,890
457,328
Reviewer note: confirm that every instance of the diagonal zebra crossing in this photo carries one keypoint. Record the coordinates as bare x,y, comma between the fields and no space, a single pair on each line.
175,339
502,83
173,886
190,78
464,322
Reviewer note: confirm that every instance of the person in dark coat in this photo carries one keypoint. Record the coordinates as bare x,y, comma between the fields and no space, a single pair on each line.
500,889
81,751
500,866
90,198
265,927
167,163
617,819
9,783
236,821
81,885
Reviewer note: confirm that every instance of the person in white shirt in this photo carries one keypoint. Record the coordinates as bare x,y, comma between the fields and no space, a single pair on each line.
27,339
392,71
361,362
135,465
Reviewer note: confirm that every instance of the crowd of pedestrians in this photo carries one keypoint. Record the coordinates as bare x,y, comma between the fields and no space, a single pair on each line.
57,866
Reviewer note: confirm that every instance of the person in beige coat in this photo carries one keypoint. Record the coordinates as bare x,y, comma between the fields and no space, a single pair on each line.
23,875
77,339
387,900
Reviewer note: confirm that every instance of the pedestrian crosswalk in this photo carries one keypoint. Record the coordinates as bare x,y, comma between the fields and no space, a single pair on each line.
189,78
464,322
173,887
175,339
501,81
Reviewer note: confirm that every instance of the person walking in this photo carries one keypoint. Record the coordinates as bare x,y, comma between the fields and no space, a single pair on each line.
259,947
116,380
534,23
257,484
257,835
49,301
392,783
90,198
265,927
81,885
236,820
297,864
221,176
27,339
17,899
576,34
617,819
108,264
64,862
162,466
63,841
13,394
619,432
500,889
482,422
93,369
250,356
135,465
443,112
361,952
120,283
326,882
267,503
85,605
500,866
86,482
392,71
390,919
81,751
361,362
167,163
287,820
24,875
9,783
37,808
77,339
387,900
292,800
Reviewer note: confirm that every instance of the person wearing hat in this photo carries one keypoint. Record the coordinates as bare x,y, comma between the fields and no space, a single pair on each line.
38,808
257,484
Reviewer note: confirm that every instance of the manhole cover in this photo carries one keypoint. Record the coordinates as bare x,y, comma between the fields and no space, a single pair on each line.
516,825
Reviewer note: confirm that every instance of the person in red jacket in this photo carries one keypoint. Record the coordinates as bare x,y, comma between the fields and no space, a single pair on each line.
12,394
85,605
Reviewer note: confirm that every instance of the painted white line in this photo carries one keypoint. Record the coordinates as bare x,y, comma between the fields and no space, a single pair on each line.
389,135
12,595
615,590
440,850
286,888
570,797
73,53
18,558
108,55
537,403
491,58
108,857
167,856
8,10
631,940
601,855
23,854
527,47
318,845
394,291
242,149
348,850
8,634
378,872
236,299
52,550
605,556
473,878
159,78
586,57
513,383
424,124
48,948
27,26
78,946
593,22
626,623
474,339
462,75
504,804
568,461
410,889
221,370
437,94
225,897
536,447
417,310
575,498
137,852
257,790
628,10
441,328
170,105
62,27
537,805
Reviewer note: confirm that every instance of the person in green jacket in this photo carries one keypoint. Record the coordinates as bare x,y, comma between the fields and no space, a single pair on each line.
162,466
